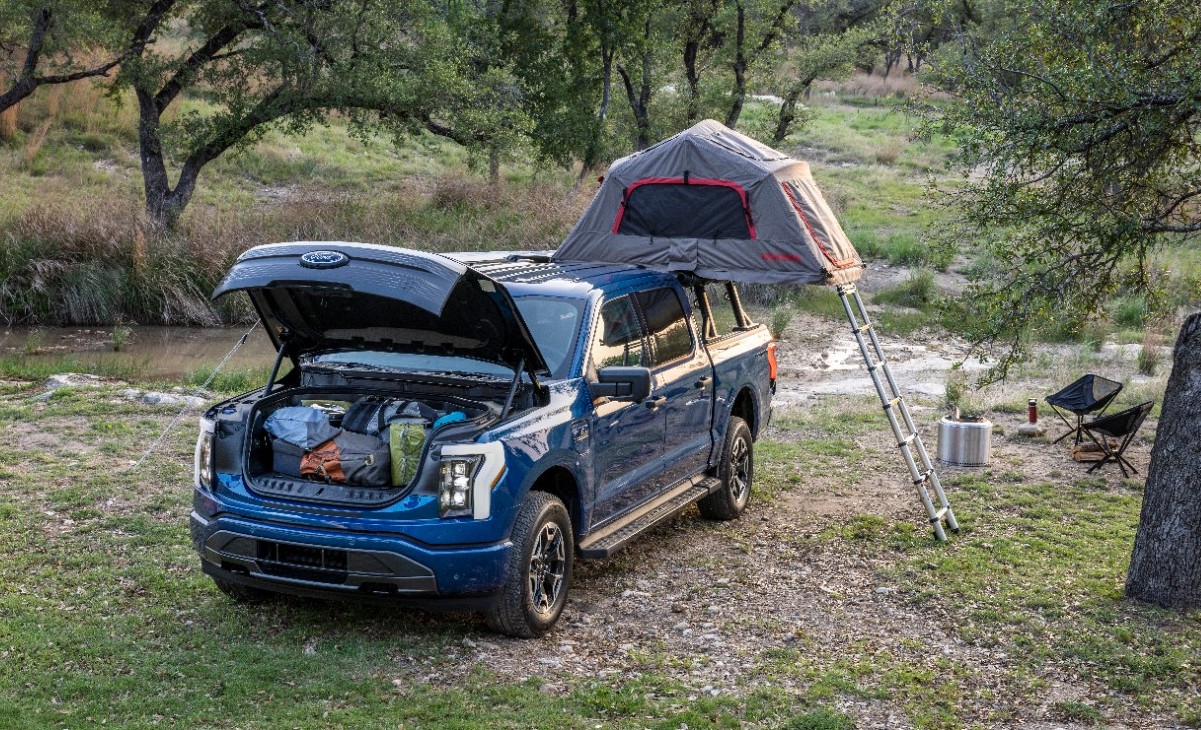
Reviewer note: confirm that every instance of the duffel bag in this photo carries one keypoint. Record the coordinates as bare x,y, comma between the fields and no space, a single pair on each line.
372,414
300,425
349,458
286,457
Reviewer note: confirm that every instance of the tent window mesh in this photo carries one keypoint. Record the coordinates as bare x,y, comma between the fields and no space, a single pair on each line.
675,210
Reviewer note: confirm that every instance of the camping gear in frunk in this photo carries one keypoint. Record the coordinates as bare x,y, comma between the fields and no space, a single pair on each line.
300,425
349,458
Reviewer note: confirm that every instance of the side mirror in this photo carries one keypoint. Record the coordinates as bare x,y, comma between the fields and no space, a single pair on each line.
620,382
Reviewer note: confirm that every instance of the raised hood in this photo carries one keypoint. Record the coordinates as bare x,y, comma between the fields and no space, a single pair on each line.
316,296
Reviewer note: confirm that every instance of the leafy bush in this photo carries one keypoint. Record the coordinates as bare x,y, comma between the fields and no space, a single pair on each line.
918,291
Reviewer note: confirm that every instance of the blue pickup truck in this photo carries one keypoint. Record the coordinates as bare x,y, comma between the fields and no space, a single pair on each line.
570,407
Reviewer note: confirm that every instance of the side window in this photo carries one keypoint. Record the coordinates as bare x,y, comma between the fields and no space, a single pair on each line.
666,324
618,340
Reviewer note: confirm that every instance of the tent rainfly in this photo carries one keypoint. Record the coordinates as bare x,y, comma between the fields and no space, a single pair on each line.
718,204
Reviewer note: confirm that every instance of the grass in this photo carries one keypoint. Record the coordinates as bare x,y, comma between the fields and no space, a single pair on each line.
105,618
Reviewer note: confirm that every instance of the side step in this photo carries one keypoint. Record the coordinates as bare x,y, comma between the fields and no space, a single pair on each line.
611,538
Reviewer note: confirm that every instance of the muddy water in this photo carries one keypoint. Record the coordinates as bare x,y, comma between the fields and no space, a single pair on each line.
168,353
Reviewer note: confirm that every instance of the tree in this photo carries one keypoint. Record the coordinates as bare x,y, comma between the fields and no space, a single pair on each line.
45,43
1165,567
292,63
829,41
1083,119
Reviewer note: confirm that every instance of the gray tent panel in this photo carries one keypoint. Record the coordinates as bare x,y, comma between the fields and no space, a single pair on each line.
716,203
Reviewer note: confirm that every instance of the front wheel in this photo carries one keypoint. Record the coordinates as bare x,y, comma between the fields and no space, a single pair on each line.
539,569
736,470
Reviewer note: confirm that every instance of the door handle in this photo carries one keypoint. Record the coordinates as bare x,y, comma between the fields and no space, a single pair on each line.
654,403
704,382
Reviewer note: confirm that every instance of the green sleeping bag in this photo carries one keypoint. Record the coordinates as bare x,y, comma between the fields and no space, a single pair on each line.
406,438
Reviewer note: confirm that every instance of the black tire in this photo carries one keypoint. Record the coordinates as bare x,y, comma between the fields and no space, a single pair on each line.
539,569
736,470
243,594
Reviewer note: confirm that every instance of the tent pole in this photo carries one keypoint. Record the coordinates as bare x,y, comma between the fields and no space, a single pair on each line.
921,469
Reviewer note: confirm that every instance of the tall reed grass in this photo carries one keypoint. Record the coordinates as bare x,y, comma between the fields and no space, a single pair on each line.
96,261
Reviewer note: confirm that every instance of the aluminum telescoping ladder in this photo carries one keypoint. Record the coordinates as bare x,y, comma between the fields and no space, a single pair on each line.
925,477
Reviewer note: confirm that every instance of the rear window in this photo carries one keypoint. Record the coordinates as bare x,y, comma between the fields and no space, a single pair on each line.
670,335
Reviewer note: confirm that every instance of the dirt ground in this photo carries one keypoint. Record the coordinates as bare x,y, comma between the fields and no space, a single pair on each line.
713,604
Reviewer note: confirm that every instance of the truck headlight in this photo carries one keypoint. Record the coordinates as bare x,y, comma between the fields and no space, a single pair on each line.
204,454
466,475
454,486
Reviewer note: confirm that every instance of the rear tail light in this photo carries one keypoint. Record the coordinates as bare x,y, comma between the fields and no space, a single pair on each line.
772,367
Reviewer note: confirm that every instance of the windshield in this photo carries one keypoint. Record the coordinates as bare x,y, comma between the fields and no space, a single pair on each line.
553,322
408,362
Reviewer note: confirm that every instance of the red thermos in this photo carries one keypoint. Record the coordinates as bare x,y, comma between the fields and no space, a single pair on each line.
1032,410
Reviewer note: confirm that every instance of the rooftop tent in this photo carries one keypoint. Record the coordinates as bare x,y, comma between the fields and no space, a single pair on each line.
719,204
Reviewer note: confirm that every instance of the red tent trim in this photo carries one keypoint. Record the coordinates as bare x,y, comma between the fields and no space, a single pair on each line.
844,263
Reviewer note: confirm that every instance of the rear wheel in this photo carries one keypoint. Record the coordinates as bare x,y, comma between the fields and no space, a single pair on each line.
539,570
736,472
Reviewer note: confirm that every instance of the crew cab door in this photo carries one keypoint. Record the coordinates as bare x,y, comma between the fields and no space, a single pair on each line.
627,437
682,388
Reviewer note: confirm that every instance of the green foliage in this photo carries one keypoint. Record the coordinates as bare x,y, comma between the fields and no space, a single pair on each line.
781,317
918,291
1081,117
819,719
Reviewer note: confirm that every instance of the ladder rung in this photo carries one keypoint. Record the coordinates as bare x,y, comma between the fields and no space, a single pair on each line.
848,294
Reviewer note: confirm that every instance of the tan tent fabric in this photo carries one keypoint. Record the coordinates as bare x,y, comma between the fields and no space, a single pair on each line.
688,203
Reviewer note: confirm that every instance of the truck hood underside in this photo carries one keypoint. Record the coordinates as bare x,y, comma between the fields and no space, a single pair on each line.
321,296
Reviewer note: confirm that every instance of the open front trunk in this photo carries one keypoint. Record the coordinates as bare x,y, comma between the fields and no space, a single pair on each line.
267,476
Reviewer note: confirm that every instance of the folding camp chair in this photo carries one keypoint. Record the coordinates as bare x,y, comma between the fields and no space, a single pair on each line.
1089,394
1122,425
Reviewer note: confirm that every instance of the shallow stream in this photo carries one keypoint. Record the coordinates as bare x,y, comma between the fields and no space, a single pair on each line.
168,353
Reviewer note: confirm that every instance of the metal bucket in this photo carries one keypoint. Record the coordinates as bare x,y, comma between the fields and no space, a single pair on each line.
964,443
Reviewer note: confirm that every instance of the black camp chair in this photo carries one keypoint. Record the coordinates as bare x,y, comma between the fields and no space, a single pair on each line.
1090,394
1122,425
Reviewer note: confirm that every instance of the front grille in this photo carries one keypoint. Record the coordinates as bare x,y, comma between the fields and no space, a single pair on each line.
319,565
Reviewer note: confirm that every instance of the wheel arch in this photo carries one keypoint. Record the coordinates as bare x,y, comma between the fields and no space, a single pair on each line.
559,481
746,407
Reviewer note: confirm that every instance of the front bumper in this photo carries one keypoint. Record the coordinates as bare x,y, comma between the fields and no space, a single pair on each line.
345,565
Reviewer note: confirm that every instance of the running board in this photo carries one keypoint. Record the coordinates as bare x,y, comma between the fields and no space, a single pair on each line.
611,538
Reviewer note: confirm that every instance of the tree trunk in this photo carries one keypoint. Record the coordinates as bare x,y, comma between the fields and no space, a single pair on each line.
1165,567
787,114
693,77
738,93
155,181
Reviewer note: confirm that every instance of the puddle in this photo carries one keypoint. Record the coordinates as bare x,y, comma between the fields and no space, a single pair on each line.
838,369
156,352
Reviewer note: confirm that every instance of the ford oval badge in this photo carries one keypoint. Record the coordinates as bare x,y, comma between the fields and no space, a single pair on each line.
324,259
